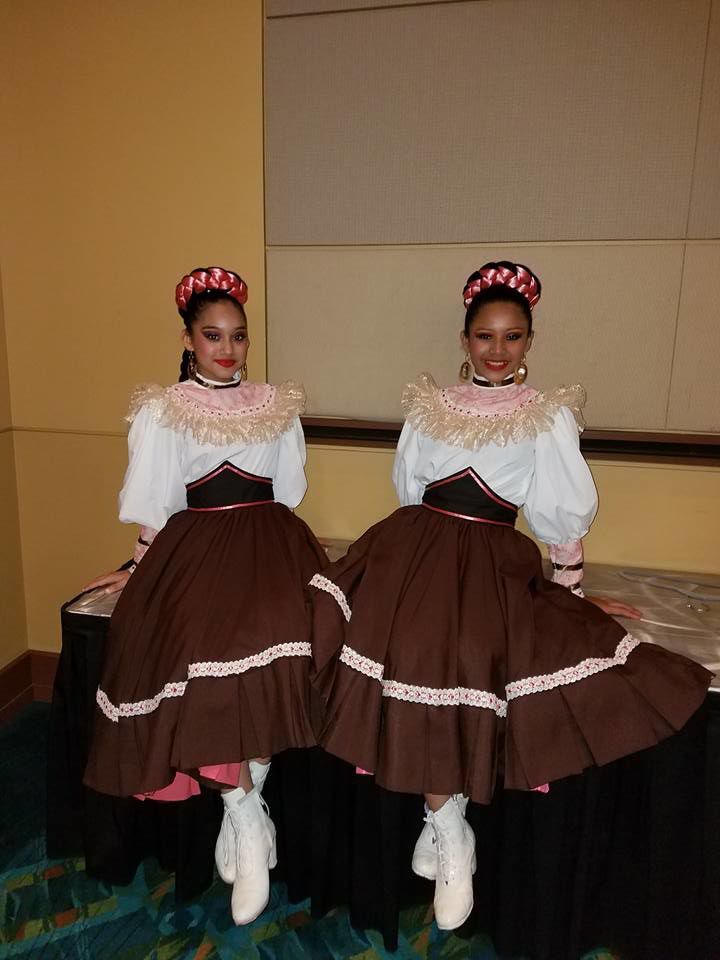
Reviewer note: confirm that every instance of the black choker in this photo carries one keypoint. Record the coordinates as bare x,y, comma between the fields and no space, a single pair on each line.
216,384
482,382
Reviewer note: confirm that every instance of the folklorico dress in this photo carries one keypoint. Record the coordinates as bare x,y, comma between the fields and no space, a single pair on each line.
209,648
447,661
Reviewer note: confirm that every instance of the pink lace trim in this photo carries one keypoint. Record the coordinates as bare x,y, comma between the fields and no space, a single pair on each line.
371,668
204,669
444,696
487,404
322,583
469,697
230,668
582,670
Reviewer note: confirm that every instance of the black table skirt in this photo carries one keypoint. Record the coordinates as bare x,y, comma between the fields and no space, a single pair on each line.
626,856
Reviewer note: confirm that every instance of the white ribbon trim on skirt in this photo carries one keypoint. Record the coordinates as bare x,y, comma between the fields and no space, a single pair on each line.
467,696
208,668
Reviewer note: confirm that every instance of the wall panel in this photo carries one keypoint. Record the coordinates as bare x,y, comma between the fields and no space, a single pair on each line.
13,639
695,388
505,120
381,315
12,599
705,210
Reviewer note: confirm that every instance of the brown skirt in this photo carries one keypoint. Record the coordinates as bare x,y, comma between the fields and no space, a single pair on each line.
448,662
208,651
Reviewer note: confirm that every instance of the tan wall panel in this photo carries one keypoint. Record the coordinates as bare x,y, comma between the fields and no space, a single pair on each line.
490,121
695,388
5,407
12,600
69,525
650,515
705,208
657,516
136,154
364,321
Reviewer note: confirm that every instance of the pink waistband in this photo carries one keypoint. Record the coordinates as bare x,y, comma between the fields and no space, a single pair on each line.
465,516
231,506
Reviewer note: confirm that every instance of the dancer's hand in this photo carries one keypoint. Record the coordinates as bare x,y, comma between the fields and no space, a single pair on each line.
616,608
113,582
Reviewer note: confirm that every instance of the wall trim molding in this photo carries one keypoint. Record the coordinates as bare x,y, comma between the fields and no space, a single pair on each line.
697,449
27,678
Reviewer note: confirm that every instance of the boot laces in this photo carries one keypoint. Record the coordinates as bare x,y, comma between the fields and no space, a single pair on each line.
249,840
227,830
446,862
428,819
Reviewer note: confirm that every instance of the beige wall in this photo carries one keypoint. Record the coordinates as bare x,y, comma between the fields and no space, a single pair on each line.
12,599
584,144
632,322
651,515
136,154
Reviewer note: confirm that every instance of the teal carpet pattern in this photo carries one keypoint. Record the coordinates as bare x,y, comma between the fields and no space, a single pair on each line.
51,909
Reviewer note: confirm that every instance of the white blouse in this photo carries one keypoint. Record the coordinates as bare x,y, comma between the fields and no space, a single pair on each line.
524,444
180,433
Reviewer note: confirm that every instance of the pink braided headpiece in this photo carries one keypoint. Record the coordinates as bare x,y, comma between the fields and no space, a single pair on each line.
210,278
519,278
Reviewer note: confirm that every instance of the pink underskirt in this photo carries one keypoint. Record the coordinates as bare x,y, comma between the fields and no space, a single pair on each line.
184,786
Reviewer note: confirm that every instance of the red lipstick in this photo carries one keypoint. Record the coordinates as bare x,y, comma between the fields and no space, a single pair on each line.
226,363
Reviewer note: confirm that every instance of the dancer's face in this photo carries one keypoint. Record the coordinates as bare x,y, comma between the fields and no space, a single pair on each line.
219,339
497,341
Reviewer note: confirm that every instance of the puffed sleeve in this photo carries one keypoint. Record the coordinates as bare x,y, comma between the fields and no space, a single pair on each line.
289,482
409,488
153,489
562,501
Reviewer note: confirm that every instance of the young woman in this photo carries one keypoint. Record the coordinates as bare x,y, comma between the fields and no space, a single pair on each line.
448,662
209,650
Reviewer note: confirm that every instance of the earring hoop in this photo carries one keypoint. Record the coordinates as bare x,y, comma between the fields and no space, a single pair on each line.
520,375
192,366
465,368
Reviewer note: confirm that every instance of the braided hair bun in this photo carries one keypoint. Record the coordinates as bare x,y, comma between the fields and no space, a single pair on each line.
206,279
515,276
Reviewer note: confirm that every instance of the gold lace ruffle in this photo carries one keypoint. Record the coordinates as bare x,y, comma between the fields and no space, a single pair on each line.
259,423
428,409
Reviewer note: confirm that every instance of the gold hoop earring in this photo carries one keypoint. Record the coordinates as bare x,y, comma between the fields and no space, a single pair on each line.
520,375
465,368
243,372
192,367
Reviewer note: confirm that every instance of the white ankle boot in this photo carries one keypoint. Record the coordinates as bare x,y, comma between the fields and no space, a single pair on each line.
226,845
258,774
455,843
256,856
424,861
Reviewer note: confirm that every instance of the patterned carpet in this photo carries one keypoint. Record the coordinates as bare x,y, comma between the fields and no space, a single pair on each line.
52,910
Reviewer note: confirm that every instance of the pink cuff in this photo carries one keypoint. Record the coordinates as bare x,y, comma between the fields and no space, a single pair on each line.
566,554
567,561
567,578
